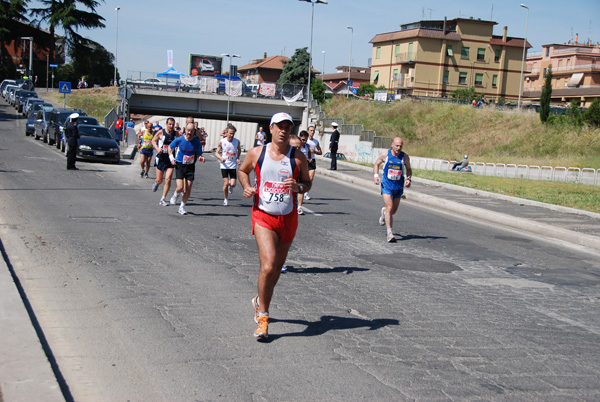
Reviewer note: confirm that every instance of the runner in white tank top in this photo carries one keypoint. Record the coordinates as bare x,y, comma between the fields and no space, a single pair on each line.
228,153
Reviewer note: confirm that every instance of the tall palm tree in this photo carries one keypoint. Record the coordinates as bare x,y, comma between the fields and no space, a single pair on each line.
65,14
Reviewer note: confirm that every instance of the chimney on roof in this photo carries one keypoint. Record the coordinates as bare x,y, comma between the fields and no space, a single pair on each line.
265,55
576,38
445,25
504,32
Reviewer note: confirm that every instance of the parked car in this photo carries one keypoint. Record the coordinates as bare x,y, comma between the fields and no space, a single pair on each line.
6,83
30,125
56,123
339,156
22,97
89,120
28,103
37,106
41,122
10,93
97,143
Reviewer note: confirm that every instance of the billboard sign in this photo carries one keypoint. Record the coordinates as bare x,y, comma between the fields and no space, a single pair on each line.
205,65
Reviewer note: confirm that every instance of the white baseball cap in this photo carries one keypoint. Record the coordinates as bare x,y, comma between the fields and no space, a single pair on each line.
74,116
334,124
281,116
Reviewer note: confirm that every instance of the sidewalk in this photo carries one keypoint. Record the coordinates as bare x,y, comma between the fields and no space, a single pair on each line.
575,226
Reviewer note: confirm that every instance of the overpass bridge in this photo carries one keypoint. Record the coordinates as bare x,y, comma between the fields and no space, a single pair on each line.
211,106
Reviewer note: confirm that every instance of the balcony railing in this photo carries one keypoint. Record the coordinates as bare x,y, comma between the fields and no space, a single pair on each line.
594,50
588,67
404,57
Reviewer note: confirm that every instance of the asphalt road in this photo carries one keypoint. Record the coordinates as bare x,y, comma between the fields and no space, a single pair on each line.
138,303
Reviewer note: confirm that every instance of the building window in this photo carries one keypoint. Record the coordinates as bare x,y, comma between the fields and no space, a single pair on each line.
395,75
446,75
545,71
464,53
378,54
497,53
462,79
494,81
478,80
397,50
375,77
449,51
547,51
480,54
410,51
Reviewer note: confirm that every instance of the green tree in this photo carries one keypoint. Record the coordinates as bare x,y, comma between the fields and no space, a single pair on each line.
11,10
64,14
91,60
592,115
317,89
295,70
546,97
366,88
573,113
466,95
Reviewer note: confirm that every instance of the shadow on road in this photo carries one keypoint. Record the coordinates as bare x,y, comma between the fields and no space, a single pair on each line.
331,323
315,270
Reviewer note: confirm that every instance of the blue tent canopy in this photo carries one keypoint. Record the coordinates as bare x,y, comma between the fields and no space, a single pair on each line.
170,73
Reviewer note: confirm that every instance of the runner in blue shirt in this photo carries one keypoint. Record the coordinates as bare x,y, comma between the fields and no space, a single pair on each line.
189,150
393,182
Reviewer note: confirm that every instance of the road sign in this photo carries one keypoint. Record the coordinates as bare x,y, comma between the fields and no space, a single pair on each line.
53,65
350,83
354,91
64,87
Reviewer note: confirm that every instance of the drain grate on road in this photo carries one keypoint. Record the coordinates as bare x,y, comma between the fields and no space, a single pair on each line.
95,219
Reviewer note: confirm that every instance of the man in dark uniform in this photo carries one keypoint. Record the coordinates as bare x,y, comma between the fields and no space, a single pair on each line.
72,134
333,145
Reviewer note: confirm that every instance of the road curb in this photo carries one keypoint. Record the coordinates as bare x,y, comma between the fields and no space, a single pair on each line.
25,372
526,225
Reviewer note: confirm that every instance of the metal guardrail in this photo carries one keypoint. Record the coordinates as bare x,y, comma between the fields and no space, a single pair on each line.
509,170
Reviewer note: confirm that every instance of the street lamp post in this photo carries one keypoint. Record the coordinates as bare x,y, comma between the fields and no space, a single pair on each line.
30,69
228,90
523,59
310,54
116,47
350,63
323,72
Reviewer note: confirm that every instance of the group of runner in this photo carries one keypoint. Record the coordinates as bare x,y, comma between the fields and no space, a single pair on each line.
283,172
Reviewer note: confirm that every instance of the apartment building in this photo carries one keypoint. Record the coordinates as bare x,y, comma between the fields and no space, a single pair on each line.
337,83
575,73
436,57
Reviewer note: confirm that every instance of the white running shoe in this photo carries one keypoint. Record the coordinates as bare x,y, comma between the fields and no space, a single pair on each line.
391,238
174,199
182,211
164,203
225,202
300,211
306,196
382,217
154,187
230,190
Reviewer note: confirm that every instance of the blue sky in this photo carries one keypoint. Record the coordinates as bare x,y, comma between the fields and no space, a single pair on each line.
249,28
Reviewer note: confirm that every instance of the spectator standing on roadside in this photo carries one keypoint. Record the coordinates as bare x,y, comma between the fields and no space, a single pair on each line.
315,149
72,134
228,153
333,145
393,181
118,130
130,125
281,172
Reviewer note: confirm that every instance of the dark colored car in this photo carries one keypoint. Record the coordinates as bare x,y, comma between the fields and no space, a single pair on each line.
89,120
23,95
56,124
338,156
30,124
97,143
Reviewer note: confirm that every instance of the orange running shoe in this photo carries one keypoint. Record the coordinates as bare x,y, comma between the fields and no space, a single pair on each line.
262,328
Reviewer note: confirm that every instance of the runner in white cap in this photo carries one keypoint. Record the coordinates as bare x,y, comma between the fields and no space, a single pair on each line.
281,173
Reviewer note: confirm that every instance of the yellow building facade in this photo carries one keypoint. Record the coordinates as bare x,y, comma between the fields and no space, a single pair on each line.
435,58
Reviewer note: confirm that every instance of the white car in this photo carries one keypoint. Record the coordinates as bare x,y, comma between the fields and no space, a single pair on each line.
206,66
